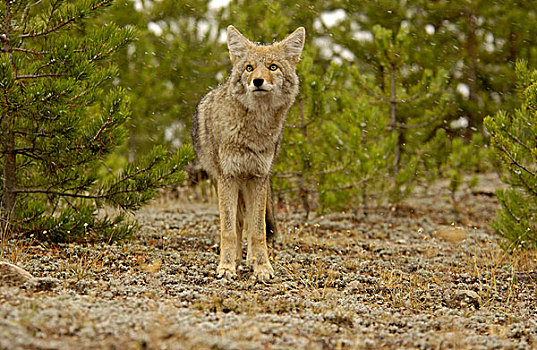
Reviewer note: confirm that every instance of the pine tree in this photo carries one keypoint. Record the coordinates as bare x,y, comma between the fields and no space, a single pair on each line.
481,41
176,58
61,118
476,42
514,138
312,151
335,144
413,101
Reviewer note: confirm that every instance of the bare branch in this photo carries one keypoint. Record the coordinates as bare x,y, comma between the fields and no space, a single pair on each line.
300,174
332,189
305,125
331,171
349,186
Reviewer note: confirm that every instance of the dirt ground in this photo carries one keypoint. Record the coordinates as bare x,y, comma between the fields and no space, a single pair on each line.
411,278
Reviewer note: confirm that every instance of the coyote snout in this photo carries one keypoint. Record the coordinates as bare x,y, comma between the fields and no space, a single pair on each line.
262,79
236,132
260,85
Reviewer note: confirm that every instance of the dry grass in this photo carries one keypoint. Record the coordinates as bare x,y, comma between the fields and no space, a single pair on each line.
380,281
12,249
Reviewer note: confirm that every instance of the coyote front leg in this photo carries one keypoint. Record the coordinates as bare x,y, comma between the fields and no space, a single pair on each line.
256,190
228,191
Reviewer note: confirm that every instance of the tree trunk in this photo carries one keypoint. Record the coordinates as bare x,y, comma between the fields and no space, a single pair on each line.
303,193
9,176
132,143
393,120
472,46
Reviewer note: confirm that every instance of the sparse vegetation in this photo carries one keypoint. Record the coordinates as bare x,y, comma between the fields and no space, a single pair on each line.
392,279
514,140
384,155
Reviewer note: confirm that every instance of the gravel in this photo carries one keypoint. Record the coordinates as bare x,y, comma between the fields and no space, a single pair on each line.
407,278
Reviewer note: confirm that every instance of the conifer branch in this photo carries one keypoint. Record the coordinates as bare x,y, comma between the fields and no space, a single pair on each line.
27,9
38,76
107,195
515,162
50,63
109,51
29,153
517,140
138,172
417,126
76,97
59,193
52,10
64,23
45,99
33,52
526,185
509,210
289,175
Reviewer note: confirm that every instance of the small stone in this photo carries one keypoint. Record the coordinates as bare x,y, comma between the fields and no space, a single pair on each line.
42,284
12,275
463,299
353,287
452,234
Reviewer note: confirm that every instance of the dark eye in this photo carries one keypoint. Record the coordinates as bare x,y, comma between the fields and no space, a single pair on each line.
249,68
273,67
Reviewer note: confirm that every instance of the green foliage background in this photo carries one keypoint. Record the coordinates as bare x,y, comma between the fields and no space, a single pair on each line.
393,93
452,62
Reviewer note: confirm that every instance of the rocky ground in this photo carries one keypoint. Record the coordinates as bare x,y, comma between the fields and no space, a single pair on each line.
391,279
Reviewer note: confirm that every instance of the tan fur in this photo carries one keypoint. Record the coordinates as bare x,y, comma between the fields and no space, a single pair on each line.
236,132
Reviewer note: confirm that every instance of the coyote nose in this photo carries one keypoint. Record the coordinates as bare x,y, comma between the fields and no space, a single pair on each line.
258,82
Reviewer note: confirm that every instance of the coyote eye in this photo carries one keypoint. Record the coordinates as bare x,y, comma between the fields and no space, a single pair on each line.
273,67
249,68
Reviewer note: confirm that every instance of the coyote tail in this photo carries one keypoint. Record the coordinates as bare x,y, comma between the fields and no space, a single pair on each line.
270,221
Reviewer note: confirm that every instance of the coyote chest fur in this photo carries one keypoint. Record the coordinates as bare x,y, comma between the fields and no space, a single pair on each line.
236,132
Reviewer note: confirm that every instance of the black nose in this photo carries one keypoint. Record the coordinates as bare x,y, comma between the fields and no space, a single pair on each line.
258,82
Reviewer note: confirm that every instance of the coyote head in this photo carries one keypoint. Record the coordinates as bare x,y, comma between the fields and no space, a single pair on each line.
264,75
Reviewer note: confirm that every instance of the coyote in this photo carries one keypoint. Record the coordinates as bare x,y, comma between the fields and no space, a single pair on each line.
236,132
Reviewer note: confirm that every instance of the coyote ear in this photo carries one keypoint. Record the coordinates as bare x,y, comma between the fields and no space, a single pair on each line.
292,45
236,42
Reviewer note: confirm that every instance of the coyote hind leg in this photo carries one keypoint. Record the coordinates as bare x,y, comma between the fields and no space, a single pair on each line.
240,227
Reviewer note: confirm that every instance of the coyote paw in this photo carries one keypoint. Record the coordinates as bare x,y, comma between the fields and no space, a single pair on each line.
263,273
227,272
